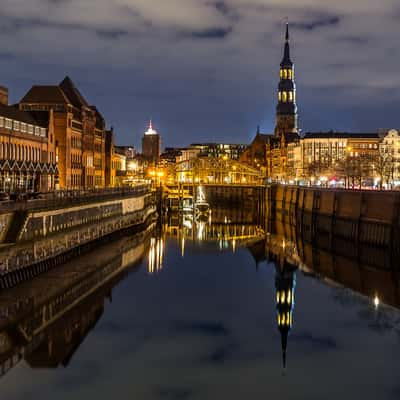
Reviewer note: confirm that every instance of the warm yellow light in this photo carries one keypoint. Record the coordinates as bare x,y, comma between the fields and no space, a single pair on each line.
349,148
376,301
289,297
152,173
160,174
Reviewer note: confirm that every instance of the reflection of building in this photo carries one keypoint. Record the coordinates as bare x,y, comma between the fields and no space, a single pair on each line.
151,144
46,327
156,255
27,151
79,133
285,283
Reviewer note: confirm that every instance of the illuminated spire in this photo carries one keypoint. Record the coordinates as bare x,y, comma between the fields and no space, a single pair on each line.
150,125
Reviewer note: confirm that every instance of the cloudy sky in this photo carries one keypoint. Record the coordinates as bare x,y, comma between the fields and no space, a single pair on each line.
208,69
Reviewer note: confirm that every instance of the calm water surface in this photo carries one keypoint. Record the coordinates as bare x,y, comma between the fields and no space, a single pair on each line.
192,312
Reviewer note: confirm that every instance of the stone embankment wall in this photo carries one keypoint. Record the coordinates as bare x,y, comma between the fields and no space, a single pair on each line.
364,217
42,237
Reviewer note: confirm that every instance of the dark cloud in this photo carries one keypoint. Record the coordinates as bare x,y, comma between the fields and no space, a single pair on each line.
212,33
357,40
114,34
222,7
318,23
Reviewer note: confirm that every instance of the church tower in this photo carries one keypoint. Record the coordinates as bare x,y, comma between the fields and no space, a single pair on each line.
286,110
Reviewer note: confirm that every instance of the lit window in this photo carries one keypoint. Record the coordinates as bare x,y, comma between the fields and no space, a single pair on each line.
284,97
289,74
281,73
279,96
8,123
282,297
288,297
285,74
290,96
16,125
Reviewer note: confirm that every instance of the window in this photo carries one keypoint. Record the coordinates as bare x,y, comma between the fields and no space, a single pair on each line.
23,127
1,122
279,96
284,97
8,123
30,129
285,74
291,96
37,131
16,125
289,74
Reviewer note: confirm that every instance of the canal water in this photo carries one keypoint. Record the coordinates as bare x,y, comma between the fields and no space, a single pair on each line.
201,310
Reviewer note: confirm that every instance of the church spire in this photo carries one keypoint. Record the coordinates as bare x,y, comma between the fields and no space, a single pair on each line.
286,62
286,111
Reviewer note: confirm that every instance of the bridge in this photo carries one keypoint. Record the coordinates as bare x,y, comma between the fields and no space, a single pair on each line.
217,171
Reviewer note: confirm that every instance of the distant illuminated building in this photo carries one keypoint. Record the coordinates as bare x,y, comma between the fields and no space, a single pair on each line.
151,144
285,284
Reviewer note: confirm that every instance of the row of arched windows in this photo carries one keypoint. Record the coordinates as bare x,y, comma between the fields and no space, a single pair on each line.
286,73
287,96
9,151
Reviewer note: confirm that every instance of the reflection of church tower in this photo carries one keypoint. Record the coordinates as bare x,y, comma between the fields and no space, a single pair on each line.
286,110
285,283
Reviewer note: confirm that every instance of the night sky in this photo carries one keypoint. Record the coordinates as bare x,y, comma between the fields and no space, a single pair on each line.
208,70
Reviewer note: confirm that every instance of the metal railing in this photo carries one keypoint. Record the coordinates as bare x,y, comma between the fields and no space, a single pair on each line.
68,198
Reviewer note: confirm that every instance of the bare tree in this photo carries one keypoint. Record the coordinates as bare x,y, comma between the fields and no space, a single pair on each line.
384,166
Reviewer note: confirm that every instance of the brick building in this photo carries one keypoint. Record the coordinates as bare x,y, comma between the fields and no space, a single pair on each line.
79,132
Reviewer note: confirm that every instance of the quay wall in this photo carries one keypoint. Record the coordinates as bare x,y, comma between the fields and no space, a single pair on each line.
359,216
37,240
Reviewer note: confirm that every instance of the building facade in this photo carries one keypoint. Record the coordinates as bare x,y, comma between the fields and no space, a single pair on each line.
27,149
79,132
